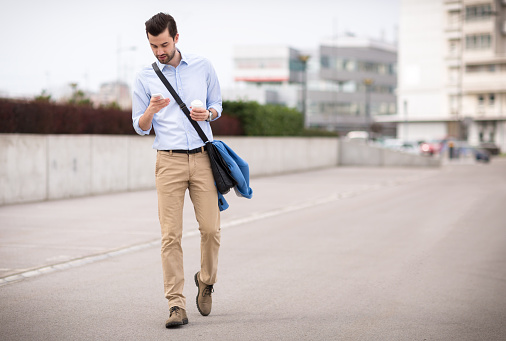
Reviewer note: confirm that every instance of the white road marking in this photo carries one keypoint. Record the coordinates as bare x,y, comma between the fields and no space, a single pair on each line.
236,222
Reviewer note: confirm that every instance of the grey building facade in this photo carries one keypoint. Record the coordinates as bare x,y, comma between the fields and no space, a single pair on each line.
346,82
355,81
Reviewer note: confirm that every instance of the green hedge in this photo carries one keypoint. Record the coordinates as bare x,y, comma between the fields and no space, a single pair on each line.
265,120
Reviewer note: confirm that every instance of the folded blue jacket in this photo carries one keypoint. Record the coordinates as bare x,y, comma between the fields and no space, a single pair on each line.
240,172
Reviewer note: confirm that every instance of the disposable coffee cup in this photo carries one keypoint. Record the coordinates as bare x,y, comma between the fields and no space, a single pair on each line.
197,103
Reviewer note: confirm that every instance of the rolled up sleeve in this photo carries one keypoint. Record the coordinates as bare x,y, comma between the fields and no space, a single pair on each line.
140,102
214,92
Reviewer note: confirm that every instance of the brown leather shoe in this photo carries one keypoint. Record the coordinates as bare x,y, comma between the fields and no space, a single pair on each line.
204,298
177,317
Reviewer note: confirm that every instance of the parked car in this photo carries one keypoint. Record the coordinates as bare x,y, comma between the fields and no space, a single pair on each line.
410,147
481,155
490,147
392,143
430,148
358,136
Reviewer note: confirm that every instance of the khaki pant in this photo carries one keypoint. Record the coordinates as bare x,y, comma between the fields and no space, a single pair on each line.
174,174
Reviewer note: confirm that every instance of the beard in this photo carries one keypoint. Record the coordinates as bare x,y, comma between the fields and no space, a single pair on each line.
166,58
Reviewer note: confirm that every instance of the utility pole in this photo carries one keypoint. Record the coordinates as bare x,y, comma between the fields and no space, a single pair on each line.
405,120
303,59
368,82
118,71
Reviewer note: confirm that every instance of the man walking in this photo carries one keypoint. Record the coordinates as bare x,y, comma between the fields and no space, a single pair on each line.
182,162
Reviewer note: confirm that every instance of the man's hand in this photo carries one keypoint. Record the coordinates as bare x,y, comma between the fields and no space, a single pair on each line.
157,103
199,114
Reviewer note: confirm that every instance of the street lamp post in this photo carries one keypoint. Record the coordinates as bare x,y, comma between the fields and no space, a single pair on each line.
120,50
368,82
303,59
405,120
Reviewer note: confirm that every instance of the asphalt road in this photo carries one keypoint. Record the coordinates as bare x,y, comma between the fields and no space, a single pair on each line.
336,254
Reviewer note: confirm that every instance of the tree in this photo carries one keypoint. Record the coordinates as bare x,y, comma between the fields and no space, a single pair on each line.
78,97
112,105
43,97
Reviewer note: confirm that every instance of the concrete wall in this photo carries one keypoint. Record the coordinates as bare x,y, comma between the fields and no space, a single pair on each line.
361,154
23,168
42,167
275,155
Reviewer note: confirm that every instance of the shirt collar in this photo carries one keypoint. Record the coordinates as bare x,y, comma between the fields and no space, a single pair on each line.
184,59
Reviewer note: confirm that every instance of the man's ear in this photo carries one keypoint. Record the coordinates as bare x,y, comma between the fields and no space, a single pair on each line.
176,38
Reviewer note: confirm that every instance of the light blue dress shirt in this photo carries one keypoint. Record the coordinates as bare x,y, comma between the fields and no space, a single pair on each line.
194,78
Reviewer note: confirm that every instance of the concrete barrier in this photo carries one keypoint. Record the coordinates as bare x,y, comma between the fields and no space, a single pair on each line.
275,155
361,154
68,162
23,168
42,167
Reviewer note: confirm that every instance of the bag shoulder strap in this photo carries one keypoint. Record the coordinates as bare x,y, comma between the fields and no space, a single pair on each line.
182,105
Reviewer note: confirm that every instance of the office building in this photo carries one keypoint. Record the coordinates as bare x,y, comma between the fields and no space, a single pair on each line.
265,74
356,82
452,70
113,92
340,87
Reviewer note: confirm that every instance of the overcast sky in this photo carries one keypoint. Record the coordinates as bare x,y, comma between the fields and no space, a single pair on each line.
49,44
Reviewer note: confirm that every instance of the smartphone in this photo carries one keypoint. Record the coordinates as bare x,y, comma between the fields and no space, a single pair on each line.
158,95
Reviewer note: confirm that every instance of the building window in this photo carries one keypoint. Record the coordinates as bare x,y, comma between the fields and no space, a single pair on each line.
478,12
339,64
392,69
296,65
349,65
471,69
454,104
341,108
483,68
329,62
481,99
349,87
478,41
453,75
453,47
491,99
453,18
325,62
392,108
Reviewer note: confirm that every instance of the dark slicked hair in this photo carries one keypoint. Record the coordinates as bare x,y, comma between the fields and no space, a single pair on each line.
159,22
